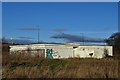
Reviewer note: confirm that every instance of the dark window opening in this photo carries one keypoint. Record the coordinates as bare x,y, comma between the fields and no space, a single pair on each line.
74,47
91,54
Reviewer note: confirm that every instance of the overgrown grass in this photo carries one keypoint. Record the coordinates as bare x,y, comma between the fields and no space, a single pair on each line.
16,66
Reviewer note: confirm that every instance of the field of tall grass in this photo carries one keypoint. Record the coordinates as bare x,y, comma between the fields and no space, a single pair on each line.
26,66
20,66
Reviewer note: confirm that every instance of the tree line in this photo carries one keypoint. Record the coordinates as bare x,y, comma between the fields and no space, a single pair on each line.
114,40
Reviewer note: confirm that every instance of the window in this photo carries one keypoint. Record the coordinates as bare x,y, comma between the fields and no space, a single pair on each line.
91,54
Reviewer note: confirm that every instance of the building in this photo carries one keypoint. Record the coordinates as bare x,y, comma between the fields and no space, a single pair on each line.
63,50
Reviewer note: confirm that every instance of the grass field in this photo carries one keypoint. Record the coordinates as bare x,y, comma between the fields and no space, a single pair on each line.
21,66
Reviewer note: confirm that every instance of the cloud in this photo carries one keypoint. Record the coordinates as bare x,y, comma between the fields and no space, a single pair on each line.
26,38
27,28
77,38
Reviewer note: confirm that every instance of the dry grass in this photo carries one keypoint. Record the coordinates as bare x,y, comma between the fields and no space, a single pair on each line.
20,66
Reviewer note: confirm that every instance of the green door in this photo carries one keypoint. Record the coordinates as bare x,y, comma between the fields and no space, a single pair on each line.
49,53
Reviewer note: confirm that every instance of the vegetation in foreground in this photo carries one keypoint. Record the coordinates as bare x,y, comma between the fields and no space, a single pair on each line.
21,66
